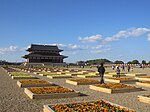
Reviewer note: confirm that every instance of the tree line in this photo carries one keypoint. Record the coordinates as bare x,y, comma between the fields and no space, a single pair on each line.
98,61
4,62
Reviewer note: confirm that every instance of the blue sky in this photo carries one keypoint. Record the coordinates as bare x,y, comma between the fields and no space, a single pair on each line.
84,29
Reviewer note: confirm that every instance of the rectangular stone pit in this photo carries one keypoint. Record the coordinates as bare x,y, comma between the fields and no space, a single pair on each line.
49,107
143,98
50,95
111,91
57,77
60,72
21,77
35,73
73,74
143,84
80,83
88,76
114,75
34,85
94,73
121,81
136,74
47,74
143,78
18,74
42,74
83,72
9,74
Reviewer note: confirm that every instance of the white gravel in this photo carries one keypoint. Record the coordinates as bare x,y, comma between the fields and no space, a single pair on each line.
13,99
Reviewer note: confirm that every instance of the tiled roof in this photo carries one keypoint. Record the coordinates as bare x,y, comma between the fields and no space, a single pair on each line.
39,55
43,47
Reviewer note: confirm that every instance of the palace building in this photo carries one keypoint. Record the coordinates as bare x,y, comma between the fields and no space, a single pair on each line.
44,54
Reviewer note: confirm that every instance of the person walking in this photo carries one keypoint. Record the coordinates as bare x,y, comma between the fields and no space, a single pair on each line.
123,68
128,67
143,66
118,72
113,67
101,71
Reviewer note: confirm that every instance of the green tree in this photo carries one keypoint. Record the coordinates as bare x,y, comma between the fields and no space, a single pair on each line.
98,61
129,62
143,62
135,62
80,63
118,62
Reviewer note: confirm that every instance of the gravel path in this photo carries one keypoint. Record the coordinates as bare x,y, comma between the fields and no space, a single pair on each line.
13,99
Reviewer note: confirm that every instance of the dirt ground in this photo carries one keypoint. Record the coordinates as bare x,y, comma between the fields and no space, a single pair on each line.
13,98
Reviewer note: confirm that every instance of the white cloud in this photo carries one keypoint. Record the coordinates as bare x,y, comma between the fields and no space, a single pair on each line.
72,47
132,32
93,38
29,46
97,47
68,47
136,32
101,51
11,49
148,38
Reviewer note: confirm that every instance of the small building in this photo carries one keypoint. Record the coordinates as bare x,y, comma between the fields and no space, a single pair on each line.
44,54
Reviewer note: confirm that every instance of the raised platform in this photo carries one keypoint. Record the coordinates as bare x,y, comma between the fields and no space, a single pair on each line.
143,84
35,84
25,77
57,76
135,74
88,76
116,90
84,82
143,78
121,80
144,98
27,64
50,95
114,75
93,106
